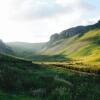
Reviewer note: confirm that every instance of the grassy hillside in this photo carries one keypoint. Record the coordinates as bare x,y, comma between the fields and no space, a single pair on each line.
90,51
85,47
22,80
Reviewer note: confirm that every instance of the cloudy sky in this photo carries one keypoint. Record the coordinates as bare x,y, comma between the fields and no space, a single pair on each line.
35,20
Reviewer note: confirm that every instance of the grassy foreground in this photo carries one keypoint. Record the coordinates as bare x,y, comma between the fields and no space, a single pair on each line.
22,80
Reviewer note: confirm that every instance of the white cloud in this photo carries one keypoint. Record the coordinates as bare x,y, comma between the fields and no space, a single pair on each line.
37,9
36,20
30,9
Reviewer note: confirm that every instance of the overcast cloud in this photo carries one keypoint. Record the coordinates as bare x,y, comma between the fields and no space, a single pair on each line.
30,9
36,20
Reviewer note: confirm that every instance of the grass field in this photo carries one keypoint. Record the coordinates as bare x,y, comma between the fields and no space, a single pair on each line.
22,80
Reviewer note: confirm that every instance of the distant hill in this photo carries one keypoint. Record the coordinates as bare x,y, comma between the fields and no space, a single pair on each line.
4,48
23,49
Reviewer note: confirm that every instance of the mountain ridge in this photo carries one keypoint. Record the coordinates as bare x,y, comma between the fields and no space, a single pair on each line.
73,31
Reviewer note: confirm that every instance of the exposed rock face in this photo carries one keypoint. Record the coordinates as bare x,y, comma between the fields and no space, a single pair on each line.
54,37
73,31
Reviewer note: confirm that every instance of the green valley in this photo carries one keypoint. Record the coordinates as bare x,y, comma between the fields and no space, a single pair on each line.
67,67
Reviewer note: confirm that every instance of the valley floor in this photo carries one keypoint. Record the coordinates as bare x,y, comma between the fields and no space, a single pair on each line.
46,81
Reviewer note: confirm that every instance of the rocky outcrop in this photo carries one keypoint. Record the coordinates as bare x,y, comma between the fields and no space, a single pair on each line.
79,30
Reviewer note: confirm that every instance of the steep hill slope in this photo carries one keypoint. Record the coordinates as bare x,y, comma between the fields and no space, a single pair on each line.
4,48
84,45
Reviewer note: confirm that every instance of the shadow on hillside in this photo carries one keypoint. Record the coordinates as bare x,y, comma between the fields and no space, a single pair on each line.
50,58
